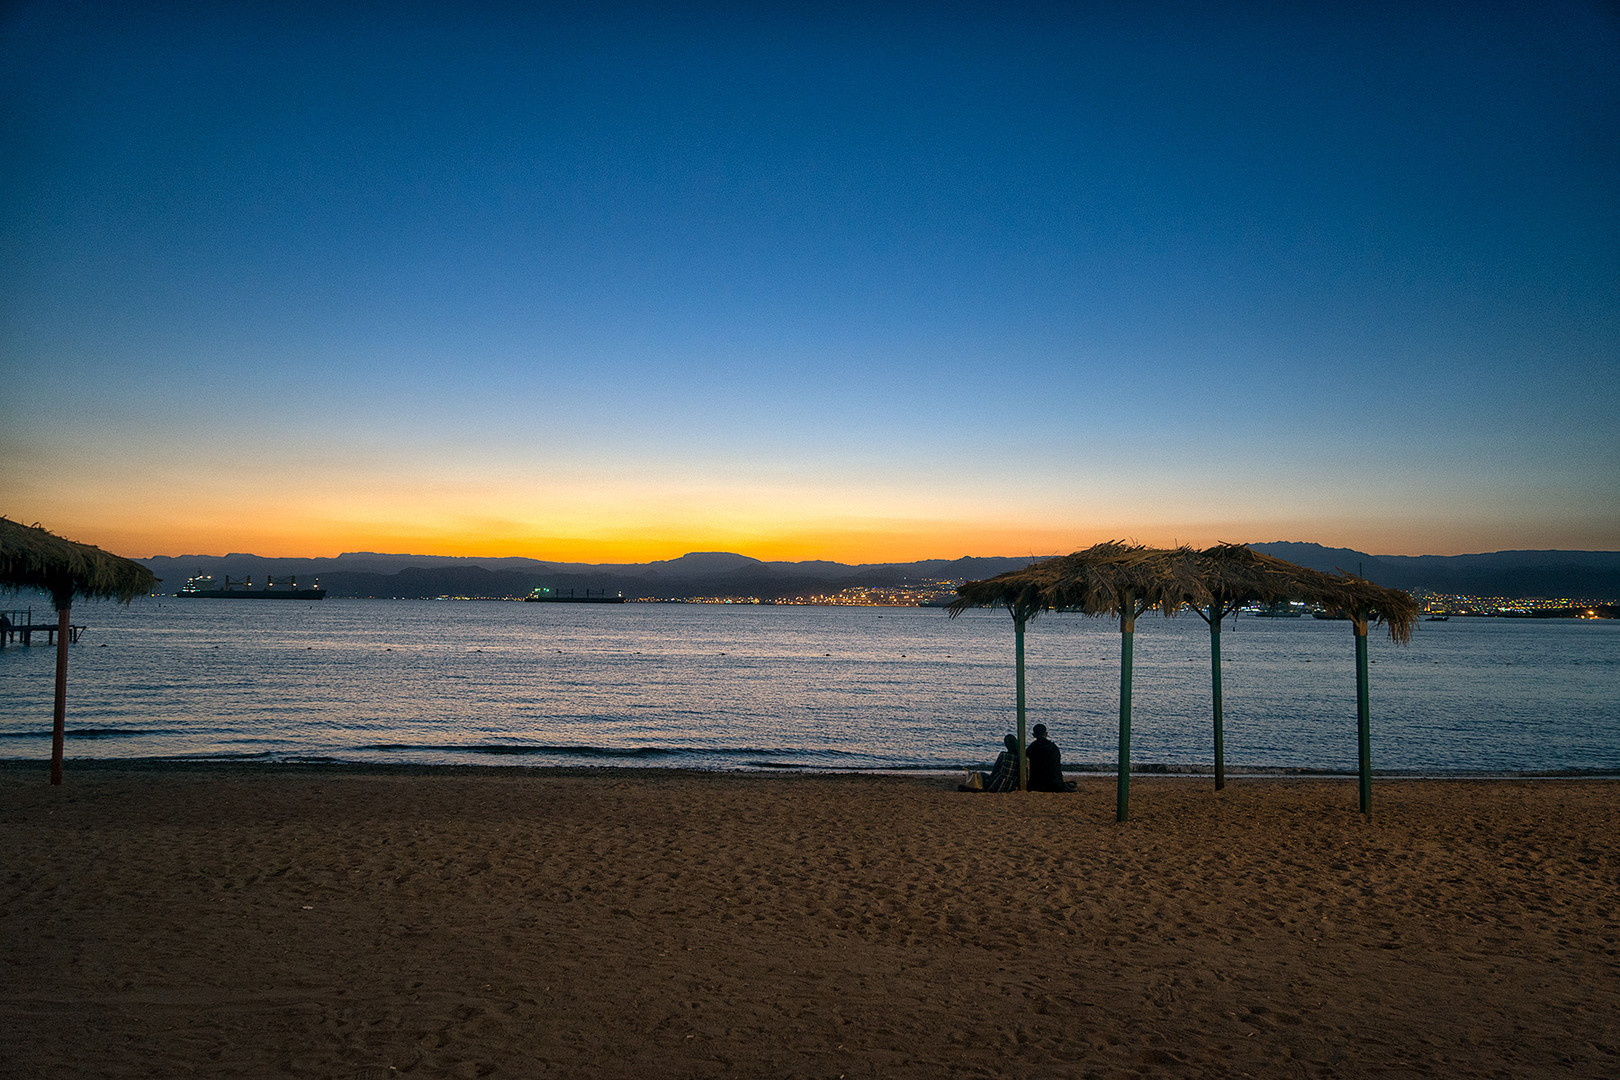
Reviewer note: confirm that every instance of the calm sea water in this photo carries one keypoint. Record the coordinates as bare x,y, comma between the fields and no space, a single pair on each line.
831,688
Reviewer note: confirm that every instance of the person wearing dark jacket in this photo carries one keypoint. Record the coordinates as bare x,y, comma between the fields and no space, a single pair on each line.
1045,763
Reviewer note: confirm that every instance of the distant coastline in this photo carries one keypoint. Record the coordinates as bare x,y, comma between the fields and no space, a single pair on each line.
1480,584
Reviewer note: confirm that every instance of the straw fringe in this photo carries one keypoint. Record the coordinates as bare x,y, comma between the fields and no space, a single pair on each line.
32,558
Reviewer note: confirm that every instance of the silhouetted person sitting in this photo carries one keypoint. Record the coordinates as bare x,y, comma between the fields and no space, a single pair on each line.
1003,774
1045,764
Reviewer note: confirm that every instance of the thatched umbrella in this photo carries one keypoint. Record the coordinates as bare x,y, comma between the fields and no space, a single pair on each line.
31,558
1233,575
1023,599
1362,603
1128,580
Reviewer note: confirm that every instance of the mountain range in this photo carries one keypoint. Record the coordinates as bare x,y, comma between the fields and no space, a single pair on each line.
1587,575
1590,575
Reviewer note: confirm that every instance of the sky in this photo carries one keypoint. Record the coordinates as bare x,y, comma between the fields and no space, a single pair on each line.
864,282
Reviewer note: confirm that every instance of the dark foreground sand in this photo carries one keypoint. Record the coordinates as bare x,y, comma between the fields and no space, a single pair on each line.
339,923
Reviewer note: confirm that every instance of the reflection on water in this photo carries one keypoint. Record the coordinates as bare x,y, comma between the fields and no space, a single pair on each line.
733,687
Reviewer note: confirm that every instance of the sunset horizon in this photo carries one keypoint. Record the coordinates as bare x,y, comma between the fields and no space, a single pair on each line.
938,545
619,284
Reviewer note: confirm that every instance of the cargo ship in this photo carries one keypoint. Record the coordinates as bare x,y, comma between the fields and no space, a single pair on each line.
204,587
544,595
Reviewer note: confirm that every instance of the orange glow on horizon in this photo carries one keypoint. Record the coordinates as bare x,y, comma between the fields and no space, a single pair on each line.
848,543
853,543
853,546
324,528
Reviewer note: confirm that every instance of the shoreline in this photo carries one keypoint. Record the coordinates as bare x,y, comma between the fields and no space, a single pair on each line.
1077,772
633,922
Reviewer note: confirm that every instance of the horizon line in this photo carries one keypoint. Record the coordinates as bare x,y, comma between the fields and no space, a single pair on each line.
882,562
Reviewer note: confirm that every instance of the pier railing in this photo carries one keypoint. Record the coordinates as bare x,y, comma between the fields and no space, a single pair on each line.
19,625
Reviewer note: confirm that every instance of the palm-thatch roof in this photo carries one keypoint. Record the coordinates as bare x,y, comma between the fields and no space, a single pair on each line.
1117,578
33,558
1108,578
1232,575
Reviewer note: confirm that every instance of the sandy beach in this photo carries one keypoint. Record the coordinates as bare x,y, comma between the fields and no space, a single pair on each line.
335,922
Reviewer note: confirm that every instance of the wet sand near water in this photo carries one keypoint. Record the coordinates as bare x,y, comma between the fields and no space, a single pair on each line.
270,921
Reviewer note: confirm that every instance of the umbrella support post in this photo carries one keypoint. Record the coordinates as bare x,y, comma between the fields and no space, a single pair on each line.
1215,682
59,713
1127,632
1363,717
1018,663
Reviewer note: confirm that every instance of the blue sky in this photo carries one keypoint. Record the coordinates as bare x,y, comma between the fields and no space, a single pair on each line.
852,281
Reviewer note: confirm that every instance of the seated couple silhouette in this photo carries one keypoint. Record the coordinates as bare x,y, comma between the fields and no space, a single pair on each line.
1043,762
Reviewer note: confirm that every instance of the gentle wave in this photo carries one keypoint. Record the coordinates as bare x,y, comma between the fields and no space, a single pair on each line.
590,751
94,733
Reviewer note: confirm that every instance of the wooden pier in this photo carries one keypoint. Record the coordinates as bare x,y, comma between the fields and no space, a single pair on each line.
20,626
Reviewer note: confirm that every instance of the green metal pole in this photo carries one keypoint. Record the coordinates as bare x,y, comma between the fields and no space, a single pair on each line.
1127,631
1363,716
1018,663
1215,677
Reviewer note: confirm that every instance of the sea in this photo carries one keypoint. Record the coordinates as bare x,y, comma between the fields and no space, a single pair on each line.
761,687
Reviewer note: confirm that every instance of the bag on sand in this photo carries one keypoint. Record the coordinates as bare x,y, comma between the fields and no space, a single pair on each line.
973,782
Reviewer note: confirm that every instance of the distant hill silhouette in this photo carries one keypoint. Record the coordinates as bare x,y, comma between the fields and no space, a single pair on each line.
1591,575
